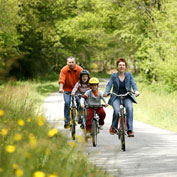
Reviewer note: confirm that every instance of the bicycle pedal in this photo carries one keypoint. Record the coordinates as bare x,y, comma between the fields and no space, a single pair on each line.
82,126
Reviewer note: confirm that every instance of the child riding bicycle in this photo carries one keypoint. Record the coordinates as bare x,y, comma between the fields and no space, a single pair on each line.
80,88
93,97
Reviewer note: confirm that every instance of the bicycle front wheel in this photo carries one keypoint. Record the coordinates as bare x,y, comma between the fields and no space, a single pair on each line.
73,123
94,132
122,132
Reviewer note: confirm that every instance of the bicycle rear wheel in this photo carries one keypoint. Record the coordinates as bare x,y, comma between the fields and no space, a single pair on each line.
94,132
122,132
73,125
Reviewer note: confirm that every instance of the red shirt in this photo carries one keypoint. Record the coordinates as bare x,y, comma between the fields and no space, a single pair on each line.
69,77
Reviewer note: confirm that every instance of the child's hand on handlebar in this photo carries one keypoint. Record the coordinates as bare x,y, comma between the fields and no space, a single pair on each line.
82,105
72,94
106,105
105,94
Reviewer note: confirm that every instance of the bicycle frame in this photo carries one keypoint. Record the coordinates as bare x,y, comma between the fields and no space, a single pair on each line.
121,131
73,113
95,128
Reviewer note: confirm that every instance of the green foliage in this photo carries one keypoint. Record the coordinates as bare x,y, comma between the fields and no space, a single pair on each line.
37,36
29,144
156,106
9,37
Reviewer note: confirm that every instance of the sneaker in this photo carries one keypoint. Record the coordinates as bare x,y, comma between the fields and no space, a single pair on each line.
80,120
82,126
101,127
66,125
130,133
112,130
88,135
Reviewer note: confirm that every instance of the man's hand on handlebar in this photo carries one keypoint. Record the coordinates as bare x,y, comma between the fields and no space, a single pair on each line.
61,91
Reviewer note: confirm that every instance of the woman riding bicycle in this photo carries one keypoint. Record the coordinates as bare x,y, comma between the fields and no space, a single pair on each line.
122,82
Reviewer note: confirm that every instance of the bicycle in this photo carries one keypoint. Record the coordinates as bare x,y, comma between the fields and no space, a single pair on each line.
121,131
73,113
95,127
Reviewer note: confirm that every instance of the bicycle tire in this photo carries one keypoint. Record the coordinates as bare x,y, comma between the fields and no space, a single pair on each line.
122,135
84,124
94,132
73,125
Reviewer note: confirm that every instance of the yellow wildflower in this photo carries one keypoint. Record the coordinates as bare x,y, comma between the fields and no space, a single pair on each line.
15,166
1,170
80,139
52,132
40,120
72,144
39,174
53,175
32,140
21,122
10,148
18,136
19,172
4,132
29,119
1,112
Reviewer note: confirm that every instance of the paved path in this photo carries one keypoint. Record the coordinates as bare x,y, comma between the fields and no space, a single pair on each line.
151,153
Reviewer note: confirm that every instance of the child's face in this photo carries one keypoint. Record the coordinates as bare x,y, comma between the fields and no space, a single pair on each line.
84,78
94,87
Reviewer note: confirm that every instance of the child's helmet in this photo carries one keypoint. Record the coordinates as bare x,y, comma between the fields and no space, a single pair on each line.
93,80
84,72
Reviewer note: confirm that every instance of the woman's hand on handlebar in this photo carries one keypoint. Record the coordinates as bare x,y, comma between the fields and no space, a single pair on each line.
137,93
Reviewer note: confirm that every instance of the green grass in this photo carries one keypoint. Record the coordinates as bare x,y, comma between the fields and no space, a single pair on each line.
28,144
156,107
22,127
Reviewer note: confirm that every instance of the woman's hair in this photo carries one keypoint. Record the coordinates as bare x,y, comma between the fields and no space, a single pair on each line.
121,60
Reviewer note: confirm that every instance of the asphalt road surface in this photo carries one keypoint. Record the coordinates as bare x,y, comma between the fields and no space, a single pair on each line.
151,153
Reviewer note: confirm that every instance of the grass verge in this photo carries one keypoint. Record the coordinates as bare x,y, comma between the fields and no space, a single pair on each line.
156,107
29,146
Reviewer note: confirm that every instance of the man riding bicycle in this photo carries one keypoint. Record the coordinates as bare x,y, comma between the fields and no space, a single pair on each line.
69,75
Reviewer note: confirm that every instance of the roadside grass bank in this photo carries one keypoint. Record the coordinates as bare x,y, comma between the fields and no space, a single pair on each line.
29,146
156,106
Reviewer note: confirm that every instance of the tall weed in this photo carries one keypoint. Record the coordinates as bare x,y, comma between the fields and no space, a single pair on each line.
157,107
29,146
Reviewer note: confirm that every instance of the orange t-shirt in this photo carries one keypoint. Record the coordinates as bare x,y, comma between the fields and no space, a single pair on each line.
69,78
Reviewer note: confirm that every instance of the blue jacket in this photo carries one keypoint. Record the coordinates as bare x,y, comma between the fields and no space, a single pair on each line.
114,81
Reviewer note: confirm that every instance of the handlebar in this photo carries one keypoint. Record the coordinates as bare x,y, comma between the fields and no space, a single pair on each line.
95,106
79,95
121,95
